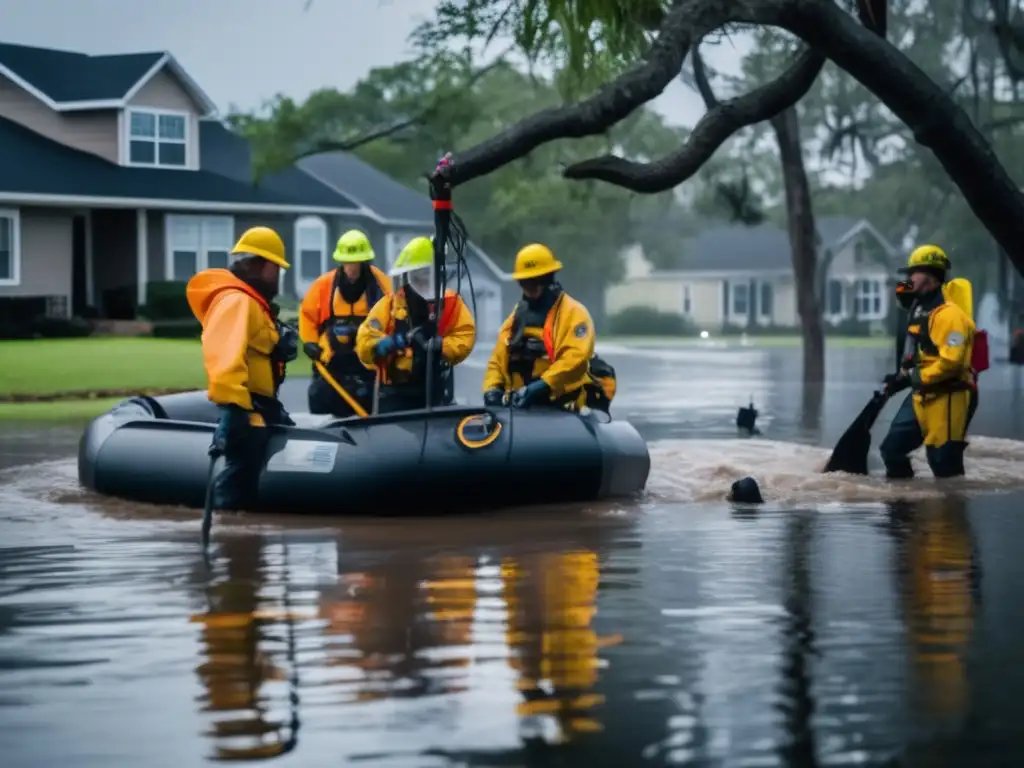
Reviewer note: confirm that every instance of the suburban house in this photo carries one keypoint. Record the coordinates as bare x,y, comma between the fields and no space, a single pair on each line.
115,173
740,276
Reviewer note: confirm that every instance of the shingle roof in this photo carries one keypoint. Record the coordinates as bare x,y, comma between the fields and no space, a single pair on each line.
228,154
66,76
736,247
377,191
33,164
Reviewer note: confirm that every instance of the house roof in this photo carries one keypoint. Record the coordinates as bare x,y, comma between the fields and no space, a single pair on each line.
228,154
67,80
764,247
38,169
391,200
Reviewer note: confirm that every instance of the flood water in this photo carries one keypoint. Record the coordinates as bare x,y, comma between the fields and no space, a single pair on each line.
849,621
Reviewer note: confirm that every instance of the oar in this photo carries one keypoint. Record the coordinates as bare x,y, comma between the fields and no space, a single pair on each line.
208,507
308,348
851,452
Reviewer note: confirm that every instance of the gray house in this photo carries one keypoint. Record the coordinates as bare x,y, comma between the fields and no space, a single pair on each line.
115,173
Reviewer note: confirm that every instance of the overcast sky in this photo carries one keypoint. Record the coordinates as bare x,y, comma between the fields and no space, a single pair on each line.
242,52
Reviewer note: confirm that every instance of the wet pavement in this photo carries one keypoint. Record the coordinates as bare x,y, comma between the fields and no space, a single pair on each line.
848,621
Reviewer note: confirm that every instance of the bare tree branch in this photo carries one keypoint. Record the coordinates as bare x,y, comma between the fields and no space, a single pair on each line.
722,120
347,145
686,22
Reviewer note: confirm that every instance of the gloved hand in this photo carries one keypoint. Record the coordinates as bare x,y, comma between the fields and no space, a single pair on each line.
232,429
533,393
288,343
896,382
494,397
389,345
313,350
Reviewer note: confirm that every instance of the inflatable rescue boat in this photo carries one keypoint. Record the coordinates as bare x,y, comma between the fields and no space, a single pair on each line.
154,449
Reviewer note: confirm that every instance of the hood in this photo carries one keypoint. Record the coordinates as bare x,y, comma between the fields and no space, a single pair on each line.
205,289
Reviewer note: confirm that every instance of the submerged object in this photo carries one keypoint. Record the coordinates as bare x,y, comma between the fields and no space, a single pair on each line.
745,491
154,449
746,419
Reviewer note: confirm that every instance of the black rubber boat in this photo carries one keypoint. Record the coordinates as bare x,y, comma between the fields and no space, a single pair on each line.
154,449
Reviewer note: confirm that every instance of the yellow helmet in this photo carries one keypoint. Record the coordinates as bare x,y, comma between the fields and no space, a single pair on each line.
263,242
417,254
928,257
535,260
353,246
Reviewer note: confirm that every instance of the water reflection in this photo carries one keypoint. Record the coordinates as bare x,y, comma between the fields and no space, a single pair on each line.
939,585
551,599
248,643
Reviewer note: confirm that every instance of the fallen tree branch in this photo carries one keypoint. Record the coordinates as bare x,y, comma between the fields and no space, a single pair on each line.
347,145
687,21
722,120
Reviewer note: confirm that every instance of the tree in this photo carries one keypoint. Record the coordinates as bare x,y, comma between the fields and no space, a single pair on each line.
935,120
402,118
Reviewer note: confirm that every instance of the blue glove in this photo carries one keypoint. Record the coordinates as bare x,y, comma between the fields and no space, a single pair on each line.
389,345
494,397
532,394
232,429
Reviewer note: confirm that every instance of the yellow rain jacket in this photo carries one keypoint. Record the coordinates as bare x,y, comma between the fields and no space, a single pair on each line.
942,377
560,352
239,336
390,315
323,305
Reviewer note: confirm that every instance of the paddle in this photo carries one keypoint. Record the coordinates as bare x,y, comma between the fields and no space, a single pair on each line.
208,507
851,452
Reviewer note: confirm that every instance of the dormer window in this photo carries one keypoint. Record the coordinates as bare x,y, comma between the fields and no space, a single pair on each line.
157,138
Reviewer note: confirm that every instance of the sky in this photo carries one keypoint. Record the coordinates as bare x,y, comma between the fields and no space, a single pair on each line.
243,52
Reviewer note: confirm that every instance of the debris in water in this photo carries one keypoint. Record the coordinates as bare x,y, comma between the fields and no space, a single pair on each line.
745,491
746,418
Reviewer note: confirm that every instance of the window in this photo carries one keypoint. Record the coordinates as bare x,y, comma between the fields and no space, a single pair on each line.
310,248
195,243
869,299
740,299
10,248
157,138
834,303
687,300
766,300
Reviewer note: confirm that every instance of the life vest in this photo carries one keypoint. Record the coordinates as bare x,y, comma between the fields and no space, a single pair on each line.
524,351
919,341
340,330
407,367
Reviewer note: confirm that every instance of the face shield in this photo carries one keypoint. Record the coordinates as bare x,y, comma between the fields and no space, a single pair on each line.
422,281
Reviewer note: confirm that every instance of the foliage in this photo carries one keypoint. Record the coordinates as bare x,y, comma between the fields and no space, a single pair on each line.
586,224
165,300
647,321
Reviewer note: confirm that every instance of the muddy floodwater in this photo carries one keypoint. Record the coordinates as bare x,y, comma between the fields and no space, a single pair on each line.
848,621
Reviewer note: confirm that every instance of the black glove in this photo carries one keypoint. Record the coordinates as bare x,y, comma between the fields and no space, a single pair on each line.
232,429
418,337
896,382
312,350
287,343
494,397
535,392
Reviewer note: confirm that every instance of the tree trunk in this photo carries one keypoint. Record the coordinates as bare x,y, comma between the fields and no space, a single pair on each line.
803,239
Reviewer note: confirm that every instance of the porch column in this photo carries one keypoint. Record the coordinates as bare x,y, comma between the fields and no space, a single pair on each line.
142,253
90,280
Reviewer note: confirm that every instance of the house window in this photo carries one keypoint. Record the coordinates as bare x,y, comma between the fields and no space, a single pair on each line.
834,305
157,138
740,299
869,299
687,300
10,248
310,247
195,243
767,298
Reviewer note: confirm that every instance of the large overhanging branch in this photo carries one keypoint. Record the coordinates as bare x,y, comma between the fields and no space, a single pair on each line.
686,22
722,120
935,120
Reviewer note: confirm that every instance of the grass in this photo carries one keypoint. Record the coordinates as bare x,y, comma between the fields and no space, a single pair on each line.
50,366
841,342
61,410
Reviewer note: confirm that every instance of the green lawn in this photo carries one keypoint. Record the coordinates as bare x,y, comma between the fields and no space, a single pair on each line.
49,366
870,342
61,410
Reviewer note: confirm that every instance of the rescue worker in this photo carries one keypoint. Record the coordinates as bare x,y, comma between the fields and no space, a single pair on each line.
245,350
544,355
937,366
393,339
332,311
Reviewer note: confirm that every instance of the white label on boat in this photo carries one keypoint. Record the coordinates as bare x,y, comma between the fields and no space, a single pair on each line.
304,456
